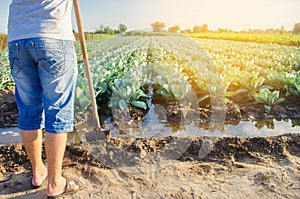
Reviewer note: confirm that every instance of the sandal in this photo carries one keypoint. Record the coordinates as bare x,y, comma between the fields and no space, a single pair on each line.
72,185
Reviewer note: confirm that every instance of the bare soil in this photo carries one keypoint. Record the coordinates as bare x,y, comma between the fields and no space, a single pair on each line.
227,167
234,168
8,108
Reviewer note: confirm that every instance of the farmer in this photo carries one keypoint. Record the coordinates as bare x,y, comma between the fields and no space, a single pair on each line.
44,67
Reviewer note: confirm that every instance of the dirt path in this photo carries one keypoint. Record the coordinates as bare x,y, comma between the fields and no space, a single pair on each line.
234,168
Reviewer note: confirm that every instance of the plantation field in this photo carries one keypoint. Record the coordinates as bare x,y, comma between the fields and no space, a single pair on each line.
187,80
197,78
282,39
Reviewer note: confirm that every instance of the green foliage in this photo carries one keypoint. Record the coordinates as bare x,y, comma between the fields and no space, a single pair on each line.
126,91
168,70
173,82
158,26
250,81
104,30
122,28
279,80
121,67
82,96
268,97
294,89
6,80
174,29
296,29
295,122
282,39
198,29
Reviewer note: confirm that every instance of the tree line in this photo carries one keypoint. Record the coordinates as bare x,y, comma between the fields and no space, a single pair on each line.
122,28
158,26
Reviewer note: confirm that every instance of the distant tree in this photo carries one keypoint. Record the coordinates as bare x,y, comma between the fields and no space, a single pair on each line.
296,29
100,30
197,29
223,30
186,31
203,28
122,28
282,30
108,30
270,30
174,28
104,30
158,26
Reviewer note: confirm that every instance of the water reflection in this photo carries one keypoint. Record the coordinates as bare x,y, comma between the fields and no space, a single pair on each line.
174,119
270,123
263,127
156,124
162,128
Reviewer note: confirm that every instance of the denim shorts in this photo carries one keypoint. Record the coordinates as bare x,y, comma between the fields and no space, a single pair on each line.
45,72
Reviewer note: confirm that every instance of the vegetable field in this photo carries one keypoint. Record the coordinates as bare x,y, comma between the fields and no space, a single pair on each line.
198,80
282,39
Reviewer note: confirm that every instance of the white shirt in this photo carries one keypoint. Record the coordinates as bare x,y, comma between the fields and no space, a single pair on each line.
40,18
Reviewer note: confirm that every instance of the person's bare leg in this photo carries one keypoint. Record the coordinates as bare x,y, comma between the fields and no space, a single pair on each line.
55,149
32,140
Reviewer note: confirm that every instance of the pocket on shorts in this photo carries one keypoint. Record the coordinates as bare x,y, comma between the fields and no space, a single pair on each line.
51,58
13,56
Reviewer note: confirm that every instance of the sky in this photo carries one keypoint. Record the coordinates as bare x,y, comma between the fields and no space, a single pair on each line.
139,14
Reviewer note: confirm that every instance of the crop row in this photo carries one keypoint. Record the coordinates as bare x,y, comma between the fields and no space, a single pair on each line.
282,39
182,69
260,70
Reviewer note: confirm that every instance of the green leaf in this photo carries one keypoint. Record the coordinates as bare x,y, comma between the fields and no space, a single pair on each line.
84,101
259,99
257,82
279,100
233,93
268,97
118,83
297,86
275,94
139,104
122,104
143,95
128,91
101,87
136,95
113,101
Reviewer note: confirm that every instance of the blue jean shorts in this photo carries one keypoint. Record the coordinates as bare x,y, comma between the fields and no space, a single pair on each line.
45,72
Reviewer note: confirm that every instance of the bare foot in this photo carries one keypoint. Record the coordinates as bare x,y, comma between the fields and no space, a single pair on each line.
39,177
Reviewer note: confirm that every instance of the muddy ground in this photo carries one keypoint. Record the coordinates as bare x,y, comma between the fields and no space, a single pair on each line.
171,167
230,168
239,108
